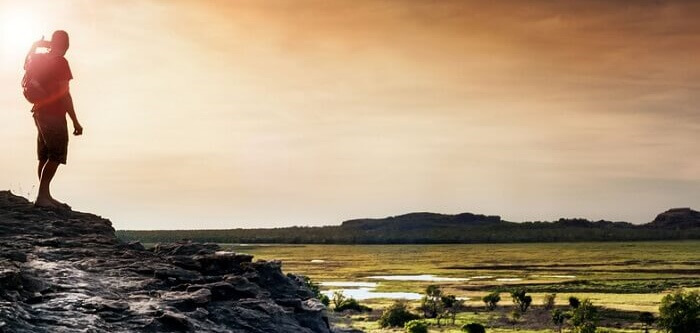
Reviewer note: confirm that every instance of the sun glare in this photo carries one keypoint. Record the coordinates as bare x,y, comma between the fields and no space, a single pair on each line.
20,28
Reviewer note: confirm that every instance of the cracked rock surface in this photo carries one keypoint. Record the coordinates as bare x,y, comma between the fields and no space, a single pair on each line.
67,272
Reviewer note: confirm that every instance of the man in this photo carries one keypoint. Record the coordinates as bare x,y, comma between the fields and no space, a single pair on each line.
50,116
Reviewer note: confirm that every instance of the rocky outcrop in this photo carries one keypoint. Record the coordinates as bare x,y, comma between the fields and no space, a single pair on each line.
680,218
67,272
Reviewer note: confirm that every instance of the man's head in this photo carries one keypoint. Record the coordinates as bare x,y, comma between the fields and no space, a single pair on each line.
59,42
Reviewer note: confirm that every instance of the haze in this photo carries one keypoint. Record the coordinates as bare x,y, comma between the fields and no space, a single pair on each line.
228,114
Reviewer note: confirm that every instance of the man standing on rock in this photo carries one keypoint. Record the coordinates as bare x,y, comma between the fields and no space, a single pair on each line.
53,73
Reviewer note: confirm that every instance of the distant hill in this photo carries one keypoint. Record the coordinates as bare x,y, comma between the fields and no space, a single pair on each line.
678,218
422,228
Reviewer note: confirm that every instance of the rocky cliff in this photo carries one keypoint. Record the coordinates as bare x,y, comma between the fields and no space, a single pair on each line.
67,272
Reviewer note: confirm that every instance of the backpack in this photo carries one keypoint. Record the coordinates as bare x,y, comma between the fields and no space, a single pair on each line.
35,80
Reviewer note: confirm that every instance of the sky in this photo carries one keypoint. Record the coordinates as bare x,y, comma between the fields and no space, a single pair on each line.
242,114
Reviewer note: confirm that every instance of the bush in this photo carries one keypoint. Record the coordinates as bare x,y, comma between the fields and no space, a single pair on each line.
396,315
521,299
451,306
352,304
416,326
680,312
558,318
342,303
491,300
574,302
316,290
647,319
585,317
430,304
474,328
549,301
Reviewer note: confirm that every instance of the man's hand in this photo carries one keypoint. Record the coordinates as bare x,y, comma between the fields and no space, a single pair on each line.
78,129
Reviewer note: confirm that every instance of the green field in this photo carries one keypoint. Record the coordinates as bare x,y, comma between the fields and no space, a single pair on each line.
622,278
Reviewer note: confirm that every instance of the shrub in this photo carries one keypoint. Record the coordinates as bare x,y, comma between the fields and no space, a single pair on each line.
647,319
585,317
352,304
549,301
342,303
451,306
558,318
491,300
474,328
430,304
574,302
338,299
416,326
316,290
396,315
680,312
521,299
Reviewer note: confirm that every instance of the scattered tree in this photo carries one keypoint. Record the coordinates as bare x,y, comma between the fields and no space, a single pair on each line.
473,328
574,302
430,303
396,315
416,326
680,312
647,319
491,300
549,301
521,299
452,306
585,317
558,318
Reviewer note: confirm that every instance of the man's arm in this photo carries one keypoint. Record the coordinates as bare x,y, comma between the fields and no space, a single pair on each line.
68,104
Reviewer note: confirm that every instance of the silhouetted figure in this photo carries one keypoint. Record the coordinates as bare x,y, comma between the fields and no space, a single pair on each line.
48,76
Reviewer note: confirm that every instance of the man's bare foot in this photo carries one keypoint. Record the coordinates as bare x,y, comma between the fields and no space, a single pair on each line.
45,203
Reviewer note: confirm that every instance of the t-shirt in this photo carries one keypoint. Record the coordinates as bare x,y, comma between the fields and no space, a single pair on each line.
55,69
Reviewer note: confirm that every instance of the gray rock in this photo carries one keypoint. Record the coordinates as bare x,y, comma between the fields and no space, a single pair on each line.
63,271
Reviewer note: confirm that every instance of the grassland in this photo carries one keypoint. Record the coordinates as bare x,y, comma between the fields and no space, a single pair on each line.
622,278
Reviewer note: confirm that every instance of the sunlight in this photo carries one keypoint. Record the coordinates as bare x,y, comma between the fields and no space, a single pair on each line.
20,28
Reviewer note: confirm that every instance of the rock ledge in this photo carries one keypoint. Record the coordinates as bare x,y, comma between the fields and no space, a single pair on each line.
67,272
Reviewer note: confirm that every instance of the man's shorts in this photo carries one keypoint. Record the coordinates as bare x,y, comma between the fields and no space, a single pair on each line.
52,141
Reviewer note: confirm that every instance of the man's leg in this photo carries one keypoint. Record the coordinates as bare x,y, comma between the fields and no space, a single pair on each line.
42,163
44,198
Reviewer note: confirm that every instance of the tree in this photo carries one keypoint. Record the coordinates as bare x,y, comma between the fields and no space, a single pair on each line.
430,303
585,317
416,326
574,302
521,299
680,312
647,319
396,315
549,301
558,318
491,300
451,306
473,328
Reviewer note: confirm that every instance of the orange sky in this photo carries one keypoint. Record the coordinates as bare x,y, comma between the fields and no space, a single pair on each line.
225,114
